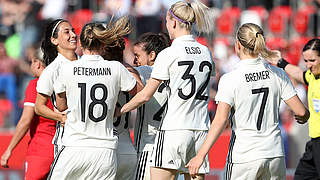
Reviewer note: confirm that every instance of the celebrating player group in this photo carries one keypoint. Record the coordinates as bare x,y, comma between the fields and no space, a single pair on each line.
90,97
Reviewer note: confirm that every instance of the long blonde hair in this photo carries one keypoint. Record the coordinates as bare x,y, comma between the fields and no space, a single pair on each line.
110,39
251,37
194,12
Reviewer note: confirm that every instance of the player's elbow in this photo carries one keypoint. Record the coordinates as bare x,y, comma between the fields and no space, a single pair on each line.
146,98
36,110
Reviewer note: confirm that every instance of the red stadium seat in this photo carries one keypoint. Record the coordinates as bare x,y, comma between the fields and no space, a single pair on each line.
295,49
286,11
278,43
203,41
228,20
260,10
278,19
79,18
234,12
301,19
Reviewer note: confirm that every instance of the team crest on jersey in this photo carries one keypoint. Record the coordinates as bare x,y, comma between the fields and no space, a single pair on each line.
316,104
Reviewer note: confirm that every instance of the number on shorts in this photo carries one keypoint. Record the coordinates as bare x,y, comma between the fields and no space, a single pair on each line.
265,92
187,75
94,102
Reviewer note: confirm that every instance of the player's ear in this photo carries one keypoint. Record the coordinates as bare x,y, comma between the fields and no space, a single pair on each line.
38,64
152,55
54,41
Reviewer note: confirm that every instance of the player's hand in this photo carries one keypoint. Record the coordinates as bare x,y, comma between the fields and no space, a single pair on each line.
302,119
4,159
274,60
194,165
63,120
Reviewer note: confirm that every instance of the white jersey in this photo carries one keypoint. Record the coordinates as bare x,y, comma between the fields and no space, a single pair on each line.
45,86
92,85
254,91
50,74
150,114
188,66
121,124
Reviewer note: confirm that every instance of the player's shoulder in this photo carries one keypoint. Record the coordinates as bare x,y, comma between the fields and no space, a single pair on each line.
278,72
142,69
33,82
168,51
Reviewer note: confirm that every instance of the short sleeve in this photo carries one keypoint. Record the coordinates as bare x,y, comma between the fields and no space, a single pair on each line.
30,94
59,84
225,91
45,82
306,77
127,81
287,89
162,64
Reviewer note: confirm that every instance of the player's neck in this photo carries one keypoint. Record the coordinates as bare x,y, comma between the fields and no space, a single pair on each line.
70,55
90,52
243,56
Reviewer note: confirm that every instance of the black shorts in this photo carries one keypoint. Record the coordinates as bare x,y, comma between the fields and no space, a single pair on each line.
309,165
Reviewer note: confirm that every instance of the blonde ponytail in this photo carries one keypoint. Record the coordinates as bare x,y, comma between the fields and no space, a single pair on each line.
195,12
251,37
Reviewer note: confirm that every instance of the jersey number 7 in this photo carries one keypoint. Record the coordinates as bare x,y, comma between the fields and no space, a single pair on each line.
265,92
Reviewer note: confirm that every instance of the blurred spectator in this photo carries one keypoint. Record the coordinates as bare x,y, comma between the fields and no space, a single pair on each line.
53,9
316,19
8,86
31,32
167,4
226,57
148,16
117,7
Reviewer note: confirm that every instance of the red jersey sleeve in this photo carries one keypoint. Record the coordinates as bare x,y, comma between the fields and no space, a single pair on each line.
31,93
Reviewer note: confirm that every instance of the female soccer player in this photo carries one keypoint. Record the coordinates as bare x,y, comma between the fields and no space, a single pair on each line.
149,115
40,149
59,45
309,165
89,89
126,152
186,66
253,92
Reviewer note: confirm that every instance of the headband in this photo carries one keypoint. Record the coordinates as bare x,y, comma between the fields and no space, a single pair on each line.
55,27
185,22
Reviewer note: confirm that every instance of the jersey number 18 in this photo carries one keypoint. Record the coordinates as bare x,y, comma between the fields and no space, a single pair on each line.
94,102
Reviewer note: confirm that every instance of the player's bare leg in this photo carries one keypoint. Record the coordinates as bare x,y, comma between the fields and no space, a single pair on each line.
160,173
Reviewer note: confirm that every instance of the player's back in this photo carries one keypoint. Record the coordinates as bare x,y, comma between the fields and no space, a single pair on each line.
92,86
255,90
190,66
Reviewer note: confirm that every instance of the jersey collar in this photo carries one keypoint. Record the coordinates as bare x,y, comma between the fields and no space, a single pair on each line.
183,38
92,57
251,61
63,58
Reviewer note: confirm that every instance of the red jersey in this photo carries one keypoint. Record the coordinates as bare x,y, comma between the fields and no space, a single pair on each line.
42,130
